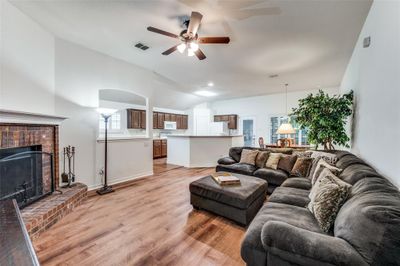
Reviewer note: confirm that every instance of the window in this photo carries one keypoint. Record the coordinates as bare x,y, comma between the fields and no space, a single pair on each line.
300,136
114,122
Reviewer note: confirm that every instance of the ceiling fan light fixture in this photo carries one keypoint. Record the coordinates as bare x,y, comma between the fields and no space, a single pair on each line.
194,46
190,52
181,47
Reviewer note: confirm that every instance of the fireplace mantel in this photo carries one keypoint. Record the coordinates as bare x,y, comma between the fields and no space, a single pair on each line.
20,117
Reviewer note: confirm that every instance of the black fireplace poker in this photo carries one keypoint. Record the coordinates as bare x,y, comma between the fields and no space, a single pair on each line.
106,188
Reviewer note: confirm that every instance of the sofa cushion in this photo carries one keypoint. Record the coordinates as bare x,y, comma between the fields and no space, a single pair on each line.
288,195
235,153
240,168
273,160
287,162
248,156
241,197
327,196
272,176
322,164
226,160
297,182
271,211
301,167
370,221
261,158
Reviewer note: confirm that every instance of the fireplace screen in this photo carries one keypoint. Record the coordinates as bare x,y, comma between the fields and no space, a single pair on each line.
26,174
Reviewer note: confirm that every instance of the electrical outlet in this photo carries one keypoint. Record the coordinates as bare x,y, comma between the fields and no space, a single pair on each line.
367,42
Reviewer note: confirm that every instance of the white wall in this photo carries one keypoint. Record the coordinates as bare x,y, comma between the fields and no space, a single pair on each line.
27,63
261,108
374,75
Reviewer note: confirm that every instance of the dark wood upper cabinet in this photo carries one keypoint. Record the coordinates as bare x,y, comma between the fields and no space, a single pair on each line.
160,118
231,119
167,117
143,119
185,123
178,121
136,119
155,120
232,122
173,117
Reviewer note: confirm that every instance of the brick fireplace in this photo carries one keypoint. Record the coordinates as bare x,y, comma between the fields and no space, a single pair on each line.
24,131
25,135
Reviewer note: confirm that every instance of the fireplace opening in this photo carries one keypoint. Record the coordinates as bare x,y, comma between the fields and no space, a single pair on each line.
26,174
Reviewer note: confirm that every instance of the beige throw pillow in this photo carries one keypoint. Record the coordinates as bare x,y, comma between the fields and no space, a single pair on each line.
327,196
273,160
248,156
320,166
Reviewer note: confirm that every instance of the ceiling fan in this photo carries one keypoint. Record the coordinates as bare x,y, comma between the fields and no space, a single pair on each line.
190,39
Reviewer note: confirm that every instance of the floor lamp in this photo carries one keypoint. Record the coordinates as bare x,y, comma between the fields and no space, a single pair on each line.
106,113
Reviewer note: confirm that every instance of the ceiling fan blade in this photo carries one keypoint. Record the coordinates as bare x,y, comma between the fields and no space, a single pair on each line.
200,55
194,24
166,33
170,50
206,40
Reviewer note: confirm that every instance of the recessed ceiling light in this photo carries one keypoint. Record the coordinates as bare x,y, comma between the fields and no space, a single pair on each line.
210,84
206,93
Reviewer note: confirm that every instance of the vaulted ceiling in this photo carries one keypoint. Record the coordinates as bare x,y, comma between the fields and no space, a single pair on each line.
307,43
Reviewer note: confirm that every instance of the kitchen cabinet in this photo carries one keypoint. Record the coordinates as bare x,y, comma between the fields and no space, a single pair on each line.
185,124
231,119
155,120
159,148
160,119
164,148
136,119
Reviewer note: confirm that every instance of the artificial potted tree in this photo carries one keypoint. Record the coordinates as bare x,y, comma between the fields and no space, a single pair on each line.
325,118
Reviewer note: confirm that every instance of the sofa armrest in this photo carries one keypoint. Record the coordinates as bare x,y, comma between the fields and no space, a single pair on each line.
226,161
301,246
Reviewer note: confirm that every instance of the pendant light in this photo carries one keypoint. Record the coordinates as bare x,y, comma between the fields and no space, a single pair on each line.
286,128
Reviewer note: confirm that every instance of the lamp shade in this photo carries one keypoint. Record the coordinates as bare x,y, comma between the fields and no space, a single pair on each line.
106,112
286,128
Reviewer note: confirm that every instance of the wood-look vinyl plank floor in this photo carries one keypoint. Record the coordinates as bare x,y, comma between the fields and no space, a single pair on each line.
150,222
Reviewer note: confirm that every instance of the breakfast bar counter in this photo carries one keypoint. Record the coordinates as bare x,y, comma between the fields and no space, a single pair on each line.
200,151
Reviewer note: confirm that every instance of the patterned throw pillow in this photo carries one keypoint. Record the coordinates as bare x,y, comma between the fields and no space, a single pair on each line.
248,156
327,196
261,158
301,167
328,157
320,166
286,162
273,160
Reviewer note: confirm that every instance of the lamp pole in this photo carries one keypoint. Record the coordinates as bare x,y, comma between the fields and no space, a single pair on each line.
106,188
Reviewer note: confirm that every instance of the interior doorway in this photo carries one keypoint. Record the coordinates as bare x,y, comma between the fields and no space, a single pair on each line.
249,134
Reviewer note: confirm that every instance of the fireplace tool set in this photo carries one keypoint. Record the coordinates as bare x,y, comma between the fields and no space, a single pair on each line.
69,177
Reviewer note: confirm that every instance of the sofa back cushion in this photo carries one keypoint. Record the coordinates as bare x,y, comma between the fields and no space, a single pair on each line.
248,156
262,158
287,162
370,218
370,221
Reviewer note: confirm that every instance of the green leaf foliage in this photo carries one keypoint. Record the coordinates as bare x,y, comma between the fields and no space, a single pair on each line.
325,118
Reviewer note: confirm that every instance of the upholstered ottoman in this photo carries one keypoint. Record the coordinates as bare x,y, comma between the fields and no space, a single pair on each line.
239,203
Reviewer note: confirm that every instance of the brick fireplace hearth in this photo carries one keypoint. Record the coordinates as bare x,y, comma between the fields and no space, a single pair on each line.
16,131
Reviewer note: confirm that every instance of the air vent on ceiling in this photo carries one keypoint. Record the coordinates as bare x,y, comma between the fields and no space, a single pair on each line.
141,46
273,76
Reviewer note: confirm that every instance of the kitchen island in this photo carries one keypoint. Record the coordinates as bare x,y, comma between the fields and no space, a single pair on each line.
199,151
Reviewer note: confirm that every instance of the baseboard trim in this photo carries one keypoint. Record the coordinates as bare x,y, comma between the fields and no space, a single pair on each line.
120,183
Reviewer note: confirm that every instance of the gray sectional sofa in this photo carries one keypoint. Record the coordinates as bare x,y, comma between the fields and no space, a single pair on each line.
366,229
231,164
